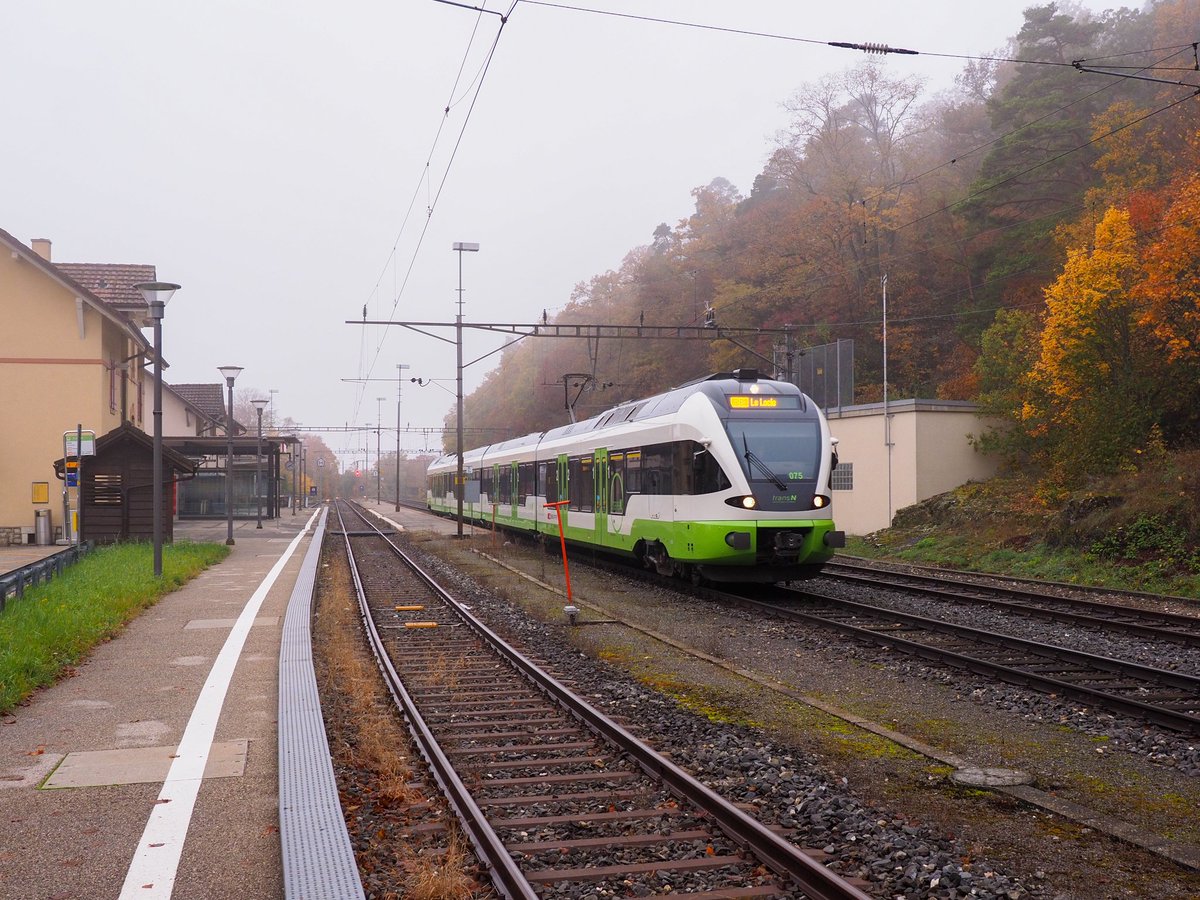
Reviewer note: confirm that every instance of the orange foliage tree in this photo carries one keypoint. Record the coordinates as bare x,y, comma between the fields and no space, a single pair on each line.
1170,309
1098,376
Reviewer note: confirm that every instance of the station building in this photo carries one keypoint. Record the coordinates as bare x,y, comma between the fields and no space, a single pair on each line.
68,357
891,459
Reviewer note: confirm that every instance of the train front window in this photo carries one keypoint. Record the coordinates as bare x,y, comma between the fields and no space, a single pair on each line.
790,451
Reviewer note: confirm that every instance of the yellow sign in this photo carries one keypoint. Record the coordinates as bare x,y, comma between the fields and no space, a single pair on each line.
750,401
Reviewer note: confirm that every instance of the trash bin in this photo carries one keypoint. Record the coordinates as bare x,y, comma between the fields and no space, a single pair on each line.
42,529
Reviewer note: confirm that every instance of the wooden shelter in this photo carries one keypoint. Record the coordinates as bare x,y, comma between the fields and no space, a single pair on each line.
116,487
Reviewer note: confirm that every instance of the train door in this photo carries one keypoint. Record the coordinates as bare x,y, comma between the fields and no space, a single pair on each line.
562,478
513,489
600,480
494,491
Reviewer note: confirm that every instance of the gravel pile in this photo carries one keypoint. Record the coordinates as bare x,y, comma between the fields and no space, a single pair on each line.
1166,748
900,859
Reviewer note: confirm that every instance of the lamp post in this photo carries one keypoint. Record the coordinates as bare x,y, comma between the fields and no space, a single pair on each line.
295,463
258,405
229,373
157,294
400,367
460,247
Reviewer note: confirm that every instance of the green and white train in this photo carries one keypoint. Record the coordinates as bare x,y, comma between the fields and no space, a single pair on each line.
724,479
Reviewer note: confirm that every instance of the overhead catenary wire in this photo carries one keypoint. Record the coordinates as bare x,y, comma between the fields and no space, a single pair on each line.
427,181
875,47
1015,131
432,203
1033,168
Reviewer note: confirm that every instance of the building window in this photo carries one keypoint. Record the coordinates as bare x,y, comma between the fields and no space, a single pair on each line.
842,478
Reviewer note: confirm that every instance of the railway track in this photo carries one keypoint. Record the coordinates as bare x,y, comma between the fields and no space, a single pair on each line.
1182,629
553,795
1169,699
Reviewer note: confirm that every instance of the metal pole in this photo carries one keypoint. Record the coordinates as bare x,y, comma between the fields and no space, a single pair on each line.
887,421
258,468
460,247
229,467
400,367
157,308
78,536
458,485
378,450
295,477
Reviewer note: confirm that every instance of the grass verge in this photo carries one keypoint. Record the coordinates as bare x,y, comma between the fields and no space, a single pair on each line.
55,625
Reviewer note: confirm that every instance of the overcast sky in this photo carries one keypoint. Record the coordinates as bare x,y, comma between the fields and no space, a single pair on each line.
265,155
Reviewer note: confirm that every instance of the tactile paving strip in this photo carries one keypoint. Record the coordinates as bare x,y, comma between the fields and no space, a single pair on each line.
318,860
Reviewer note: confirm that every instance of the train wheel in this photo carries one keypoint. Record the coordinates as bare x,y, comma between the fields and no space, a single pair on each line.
656,556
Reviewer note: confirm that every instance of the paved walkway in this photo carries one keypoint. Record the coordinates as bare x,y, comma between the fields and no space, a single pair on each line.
109,736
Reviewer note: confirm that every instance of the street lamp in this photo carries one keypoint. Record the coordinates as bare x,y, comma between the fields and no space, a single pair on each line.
229,373
158,294
460,247
258,405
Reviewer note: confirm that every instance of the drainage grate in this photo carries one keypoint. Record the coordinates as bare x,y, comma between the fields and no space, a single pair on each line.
318,860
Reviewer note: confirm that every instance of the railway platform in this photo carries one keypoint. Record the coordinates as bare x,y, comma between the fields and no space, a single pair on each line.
95,796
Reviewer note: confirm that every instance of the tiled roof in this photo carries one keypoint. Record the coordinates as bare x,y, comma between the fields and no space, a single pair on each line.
106,309
114,284
208,398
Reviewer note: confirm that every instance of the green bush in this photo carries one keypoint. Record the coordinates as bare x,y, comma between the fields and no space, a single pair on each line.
1148,540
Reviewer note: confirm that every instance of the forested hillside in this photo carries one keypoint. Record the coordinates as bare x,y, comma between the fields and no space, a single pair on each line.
1038,226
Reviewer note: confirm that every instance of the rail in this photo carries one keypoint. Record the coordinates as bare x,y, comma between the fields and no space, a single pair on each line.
779,855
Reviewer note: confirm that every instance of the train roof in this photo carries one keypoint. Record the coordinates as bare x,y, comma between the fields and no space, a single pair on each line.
715,386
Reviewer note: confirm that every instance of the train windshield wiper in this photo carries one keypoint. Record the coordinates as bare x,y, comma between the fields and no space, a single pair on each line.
756,460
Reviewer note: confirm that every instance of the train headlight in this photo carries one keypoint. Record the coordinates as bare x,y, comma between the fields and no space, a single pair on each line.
749,502
746,502
819,501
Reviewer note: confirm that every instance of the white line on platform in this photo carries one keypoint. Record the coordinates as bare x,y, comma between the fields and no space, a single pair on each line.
155,864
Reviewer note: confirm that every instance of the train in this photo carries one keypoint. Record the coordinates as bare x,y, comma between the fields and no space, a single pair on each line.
723,479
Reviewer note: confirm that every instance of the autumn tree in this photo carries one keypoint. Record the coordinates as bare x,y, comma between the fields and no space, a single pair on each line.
1170,309
1097,371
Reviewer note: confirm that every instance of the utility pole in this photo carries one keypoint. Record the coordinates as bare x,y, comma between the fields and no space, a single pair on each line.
378,450
400,367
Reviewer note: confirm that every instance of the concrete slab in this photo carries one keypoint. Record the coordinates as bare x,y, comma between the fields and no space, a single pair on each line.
194,624
141,765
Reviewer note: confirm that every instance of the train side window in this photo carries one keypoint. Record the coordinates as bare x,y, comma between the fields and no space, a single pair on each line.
656,469
616,483
633,472
707,475
682,471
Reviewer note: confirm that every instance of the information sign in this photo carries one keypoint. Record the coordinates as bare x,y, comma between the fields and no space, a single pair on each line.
71,443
